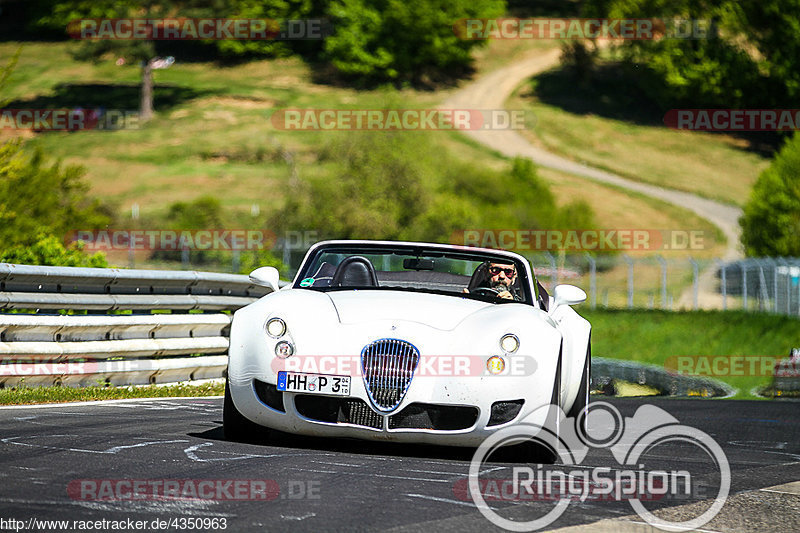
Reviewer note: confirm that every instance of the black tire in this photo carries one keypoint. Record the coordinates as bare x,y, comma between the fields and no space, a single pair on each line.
234,424
582,400
535,451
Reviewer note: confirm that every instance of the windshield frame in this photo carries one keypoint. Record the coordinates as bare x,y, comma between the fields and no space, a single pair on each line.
526,275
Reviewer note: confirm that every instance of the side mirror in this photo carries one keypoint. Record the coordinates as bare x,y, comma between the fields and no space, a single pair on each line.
266,276
568,295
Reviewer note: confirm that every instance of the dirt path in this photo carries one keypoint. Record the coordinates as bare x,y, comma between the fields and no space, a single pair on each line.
493,89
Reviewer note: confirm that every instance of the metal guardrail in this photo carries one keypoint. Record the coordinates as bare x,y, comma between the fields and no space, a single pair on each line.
39,347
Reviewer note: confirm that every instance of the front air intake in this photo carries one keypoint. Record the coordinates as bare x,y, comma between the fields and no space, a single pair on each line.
388,366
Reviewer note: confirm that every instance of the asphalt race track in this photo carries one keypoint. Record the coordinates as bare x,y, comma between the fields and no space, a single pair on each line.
343,485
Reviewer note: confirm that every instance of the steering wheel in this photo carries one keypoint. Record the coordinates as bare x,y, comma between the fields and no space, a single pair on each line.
486,291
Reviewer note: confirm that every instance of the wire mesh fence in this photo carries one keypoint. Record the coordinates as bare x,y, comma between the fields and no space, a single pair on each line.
655,282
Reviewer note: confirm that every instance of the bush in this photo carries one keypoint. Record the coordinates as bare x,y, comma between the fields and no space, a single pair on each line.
39,200
206,213
402,186
771,220
48,250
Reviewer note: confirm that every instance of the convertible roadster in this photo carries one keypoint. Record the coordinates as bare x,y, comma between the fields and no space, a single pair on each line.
406,342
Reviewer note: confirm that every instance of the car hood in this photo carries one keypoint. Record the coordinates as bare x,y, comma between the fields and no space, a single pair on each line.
437,311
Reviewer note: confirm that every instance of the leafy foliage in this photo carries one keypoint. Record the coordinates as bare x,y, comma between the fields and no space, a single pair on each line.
394,40
398,185
377,41
771,220
48,250
37,199
207,213
748,55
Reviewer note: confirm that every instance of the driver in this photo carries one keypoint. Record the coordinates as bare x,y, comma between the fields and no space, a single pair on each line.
500,277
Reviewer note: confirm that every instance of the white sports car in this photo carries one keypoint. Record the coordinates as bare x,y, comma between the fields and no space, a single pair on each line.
406,342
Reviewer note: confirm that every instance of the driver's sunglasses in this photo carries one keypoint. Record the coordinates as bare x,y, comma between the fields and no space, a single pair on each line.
496,270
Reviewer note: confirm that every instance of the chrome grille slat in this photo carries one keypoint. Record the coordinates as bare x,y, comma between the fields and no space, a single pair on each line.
388,366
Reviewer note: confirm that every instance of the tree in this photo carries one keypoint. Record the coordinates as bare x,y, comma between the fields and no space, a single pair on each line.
396,40
39,199
5,74
749,55
49,250
376,190
68,14
771,220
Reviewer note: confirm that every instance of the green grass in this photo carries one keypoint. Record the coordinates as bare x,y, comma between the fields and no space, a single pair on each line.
606,126
24,395
654,336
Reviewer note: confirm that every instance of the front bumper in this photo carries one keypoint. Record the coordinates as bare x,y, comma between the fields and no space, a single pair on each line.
466,423
440,405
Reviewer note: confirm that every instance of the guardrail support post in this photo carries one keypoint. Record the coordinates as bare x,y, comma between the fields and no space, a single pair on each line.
592,279
695,282
630,280
663,263
744,286
723,284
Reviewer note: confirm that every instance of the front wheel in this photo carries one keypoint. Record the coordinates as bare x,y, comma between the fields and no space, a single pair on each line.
235,425
578,411
536,450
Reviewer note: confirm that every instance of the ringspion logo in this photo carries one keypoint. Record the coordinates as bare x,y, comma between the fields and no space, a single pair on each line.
629,440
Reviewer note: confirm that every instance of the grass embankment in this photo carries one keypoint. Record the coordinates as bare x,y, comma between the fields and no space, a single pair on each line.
607,123
653,337
32,395
213,134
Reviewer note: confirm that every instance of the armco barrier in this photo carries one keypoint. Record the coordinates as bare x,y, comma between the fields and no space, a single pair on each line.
40,347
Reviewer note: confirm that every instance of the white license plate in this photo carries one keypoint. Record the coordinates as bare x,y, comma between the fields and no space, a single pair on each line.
314,383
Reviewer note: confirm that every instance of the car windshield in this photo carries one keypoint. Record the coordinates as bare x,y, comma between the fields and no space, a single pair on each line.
477,275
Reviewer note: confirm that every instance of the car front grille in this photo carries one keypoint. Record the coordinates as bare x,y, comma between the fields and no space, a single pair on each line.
503,412
388,366
269,395
436,417
337,410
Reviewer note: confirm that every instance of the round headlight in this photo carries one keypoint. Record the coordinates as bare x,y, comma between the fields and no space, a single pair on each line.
276,327
509,343
284,349
495,364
